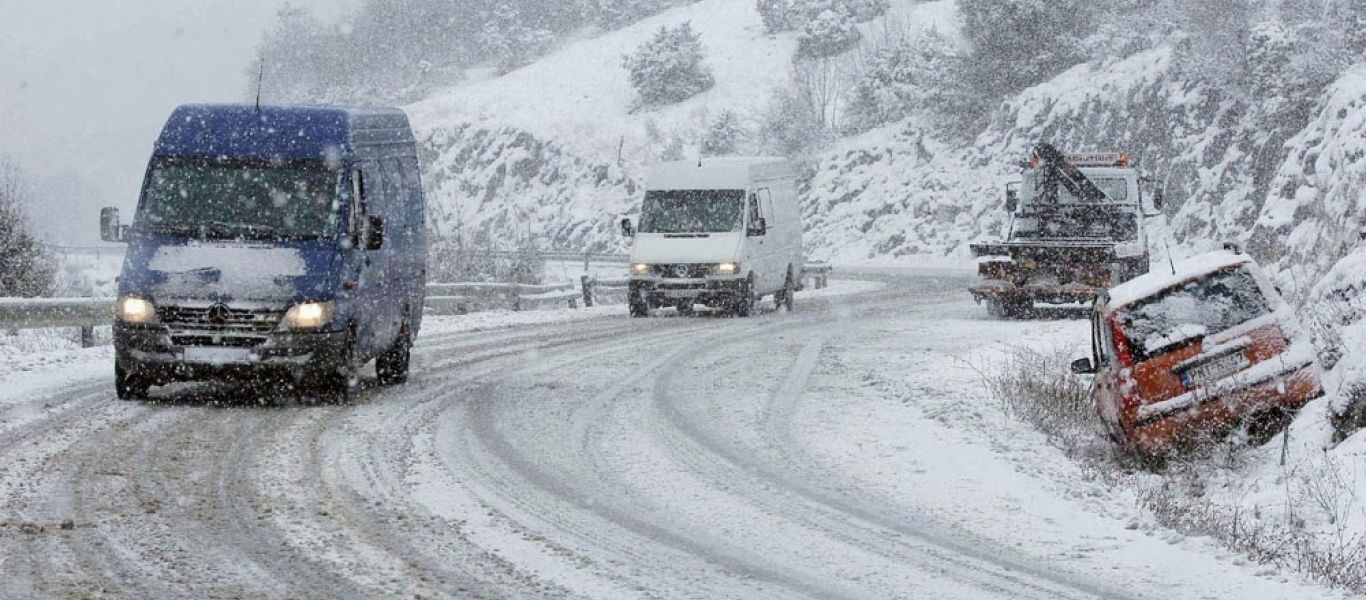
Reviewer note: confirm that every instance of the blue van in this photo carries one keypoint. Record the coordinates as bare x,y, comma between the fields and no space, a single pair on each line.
272,242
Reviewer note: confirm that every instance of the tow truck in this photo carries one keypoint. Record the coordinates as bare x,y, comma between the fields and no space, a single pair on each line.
1077,228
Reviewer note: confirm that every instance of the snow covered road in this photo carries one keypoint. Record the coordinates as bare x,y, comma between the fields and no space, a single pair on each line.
842,451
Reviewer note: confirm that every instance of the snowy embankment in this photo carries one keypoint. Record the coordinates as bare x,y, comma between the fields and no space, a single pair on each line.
557,149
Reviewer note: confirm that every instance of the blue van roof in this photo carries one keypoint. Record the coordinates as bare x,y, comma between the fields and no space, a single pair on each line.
279,132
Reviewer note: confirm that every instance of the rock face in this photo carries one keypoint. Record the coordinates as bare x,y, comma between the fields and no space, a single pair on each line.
503,184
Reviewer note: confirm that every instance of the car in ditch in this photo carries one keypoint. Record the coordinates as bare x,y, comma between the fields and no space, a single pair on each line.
1188,356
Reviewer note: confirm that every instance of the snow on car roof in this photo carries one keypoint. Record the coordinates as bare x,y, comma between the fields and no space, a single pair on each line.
1157,281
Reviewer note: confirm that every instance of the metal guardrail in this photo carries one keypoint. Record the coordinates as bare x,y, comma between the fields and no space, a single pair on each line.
442,298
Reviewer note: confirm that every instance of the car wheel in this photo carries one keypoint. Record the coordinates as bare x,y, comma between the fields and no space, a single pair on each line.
129,386
392,367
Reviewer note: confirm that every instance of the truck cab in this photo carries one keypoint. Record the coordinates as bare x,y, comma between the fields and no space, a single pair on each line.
1077,227
722,233
272,242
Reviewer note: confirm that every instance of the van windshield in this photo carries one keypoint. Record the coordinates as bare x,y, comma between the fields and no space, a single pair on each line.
692,211
1210,305
241,199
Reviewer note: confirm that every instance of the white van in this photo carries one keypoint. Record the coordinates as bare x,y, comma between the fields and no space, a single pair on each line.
719,232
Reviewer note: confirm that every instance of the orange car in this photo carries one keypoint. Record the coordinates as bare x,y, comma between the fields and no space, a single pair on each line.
1184,357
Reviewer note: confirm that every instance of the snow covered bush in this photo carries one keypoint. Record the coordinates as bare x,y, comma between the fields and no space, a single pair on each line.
866,10
1014,44
780,15
612,14
1039,388
25,269
723,136
828,33
669,68
511,43
902,78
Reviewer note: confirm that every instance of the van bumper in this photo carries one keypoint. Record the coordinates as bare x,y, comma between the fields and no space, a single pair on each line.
1290,390
148,352
712,291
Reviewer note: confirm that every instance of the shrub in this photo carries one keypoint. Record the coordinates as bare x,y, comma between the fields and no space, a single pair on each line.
669,68
723,135
25,269
829,33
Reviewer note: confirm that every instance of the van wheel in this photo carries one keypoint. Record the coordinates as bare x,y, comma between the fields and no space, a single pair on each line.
639,309
784,299
743,303
341,384
392,367
130,387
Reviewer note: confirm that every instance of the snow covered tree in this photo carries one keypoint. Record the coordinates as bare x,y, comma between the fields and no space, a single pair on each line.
1270,49
1018,43
781,15
900,78
612,14
670,67
510,42
25,270
828,33
866,10
1216,32
723,135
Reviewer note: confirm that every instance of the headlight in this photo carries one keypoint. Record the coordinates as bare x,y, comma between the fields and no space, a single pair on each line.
136,311
727,269
309,315
640,269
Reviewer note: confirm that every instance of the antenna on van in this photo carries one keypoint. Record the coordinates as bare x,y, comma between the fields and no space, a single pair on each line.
260,77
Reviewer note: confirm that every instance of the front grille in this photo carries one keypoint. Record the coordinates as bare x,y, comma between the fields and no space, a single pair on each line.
219,326
681,271
226,321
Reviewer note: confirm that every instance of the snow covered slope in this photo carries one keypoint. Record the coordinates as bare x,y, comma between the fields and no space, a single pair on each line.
555,148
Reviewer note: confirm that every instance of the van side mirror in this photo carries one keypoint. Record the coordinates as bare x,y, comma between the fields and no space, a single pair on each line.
1159,200
758,228
374,233
1083,366
1012,200
627,230
110,230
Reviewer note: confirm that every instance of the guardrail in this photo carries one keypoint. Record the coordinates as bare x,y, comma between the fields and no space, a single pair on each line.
819,273
442,299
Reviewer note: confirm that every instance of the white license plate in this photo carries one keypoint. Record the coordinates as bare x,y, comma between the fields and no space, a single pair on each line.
680,293
217,356
1214,370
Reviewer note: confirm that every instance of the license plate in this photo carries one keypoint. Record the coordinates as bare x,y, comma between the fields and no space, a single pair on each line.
680,293
216,356
1214,370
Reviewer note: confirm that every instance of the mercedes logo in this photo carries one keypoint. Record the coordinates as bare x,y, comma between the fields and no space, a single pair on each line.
218,314
681,271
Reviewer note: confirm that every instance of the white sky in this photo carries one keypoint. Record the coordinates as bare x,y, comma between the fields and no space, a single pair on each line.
85,86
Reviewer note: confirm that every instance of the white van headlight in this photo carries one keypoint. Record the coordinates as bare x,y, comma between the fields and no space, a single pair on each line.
308,316
727,268
640,269
136,311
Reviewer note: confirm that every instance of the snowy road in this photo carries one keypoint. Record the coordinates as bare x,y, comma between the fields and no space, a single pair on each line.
843,451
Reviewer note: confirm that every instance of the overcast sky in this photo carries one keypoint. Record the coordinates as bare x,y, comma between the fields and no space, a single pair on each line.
85,86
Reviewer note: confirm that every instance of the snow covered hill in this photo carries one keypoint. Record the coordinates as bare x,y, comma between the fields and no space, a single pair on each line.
557,149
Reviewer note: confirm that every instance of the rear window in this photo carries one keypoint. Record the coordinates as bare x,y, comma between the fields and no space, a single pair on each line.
1212,304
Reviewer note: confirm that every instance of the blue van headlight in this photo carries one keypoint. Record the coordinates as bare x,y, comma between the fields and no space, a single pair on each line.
308,316
136,311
